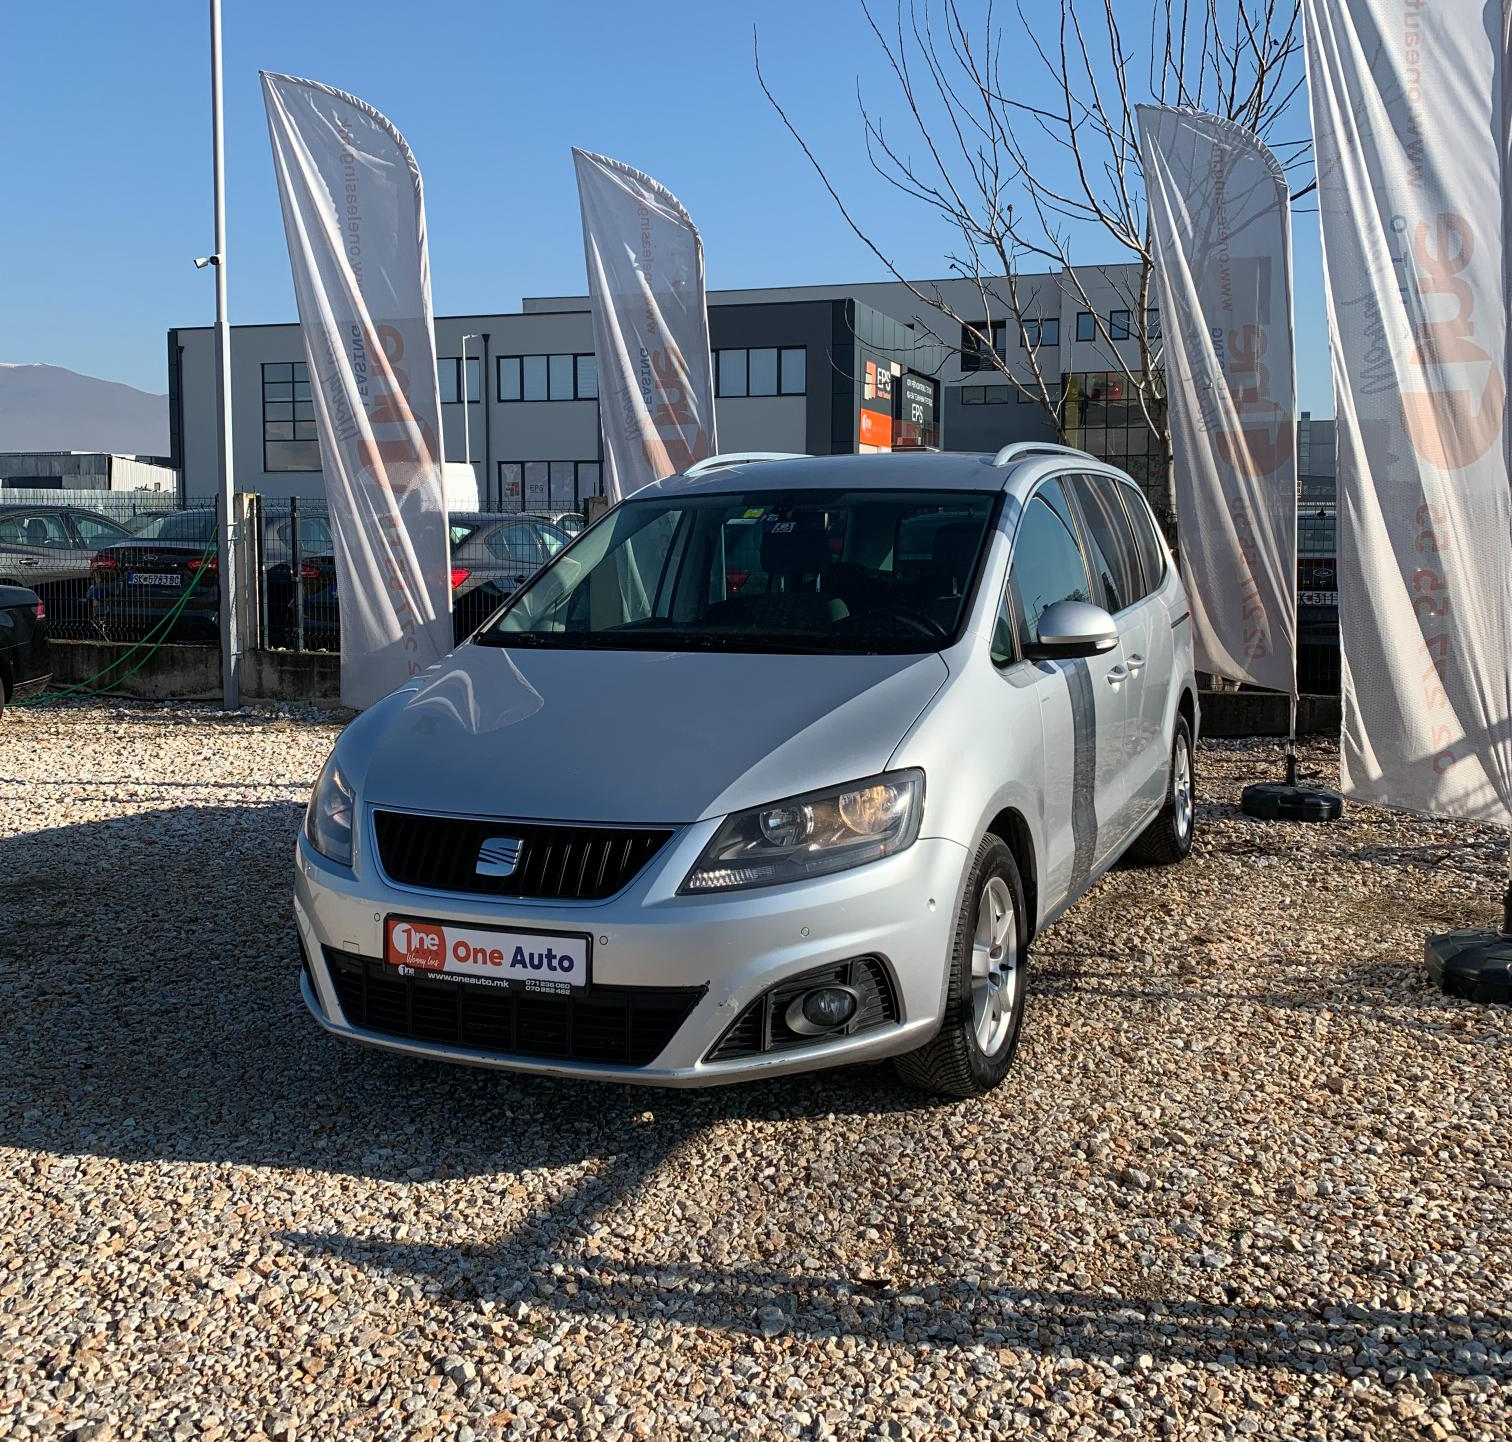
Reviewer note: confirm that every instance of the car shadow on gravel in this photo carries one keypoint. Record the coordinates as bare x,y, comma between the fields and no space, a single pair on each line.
150,1011
1317,1336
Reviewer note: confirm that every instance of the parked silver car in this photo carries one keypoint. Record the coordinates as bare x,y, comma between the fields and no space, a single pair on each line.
781,765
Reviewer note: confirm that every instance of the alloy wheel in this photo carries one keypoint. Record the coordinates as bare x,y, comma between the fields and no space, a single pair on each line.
994,966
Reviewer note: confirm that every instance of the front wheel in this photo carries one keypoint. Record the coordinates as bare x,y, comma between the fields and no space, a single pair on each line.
1168,838
989,975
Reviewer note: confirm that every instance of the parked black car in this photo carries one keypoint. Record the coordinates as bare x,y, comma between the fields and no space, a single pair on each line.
47,549
137,581
25,659
492,556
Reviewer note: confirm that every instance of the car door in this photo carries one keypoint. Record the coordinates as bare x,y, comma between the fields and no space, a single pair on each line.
36,547
1120,579
1159,683
1082,701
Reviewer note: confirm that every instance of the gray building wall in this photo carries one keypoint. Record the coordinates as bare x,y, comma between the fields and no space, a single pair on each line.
838,325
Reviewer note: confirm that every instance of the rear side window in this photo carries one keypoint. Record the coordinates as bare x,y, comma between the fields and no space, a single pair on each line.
1047,567
96,532
1115,556
517,544
1151,554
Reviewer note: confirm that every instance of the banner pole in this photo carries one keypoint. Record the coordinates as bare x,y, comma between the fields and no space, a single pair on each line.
1291,744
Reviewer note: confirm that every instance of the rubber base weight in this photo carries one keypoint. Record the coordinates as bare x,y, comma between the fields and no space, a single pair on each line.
1279,801
1476,965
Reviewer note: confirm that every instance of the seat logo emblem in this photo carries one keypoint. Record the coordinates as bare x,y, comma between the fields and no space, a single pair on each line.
498,856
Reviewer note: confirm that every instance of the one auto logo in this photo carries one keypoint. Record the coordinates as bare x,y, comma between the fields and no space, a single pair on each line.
413,943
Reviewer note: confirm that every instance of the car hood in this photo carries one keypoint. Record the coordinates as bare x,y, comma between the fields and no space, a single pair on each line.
632,736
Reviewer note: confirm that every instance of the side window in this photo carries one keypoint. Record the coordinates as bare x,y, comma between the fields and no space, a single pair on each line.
516,544
1115,558
95,532
1047,567
1151,553
46,529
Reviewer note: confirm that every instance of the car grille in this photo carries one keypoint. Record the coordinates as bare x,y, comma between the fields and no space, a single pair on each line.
616,1025
558,863
761,1027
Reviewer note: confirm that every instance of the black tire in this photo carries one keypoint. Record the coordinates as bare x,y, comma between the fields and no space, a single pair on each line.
1168,838
954,1063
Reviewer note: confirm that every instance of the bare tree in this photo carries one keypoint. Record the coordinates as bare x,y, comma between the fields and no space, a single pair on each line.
1019,180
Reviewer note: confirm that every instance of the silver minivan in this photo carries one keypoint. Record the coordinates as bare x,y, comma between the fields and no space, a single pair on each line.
782,764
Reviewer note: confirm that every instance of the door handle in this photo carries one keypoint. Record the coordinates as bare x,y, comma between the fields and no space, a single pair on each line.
1136,665
30,561
1117,674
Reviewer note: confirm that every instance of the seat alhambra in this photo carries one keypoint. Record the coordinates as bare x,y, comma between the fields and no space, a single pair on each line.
782,764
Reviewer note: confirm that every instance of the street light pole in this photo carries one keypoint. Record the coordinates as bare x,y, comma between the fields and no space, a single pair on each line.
226,576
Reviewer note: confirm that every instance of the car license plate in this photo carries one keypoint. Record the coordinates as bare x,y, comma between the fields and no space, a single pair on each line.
549,961
1318,598
153,578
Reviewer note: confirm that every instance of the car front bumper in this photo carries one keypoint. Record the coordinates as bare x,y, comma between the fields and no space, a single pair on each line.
733,945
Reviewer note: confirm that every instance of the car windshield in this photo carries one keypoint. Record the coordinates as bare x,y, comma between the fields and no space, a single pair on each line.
839,572
180,526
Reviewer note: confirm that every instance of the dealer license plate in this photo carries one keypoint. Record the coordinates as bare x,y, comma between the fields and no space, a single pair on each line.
153,578
549,961
1318,598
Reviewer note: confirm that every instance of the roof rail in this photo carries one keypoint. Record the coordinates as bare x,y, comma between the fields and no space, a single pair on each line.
736,458
1014,449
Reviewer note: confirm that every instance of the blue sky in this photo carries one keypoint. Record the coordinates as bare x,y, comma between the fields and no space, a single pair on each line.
108,182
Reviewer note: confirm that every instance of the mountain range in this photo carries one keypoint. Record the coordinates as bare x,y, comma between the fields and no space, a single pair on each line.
48,408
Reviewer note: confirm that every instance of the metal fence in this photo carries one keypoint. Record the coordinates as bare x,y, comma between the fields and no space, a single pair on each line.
135,565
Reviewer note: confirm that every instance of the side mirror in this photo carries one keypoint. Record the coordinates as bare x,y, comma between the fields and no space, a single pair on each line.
1071,629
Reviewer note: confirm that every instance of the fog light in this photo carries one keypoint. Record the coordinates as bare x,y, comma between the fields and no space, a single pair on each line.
823,1009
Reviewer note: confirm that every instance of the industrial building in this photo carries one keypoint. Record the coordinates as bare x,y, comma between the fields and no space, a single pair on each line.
84,471
821,369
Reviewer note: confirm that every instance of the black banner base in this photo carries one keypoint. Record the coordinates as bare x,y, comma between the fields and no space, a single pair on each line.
1476,965
1287,801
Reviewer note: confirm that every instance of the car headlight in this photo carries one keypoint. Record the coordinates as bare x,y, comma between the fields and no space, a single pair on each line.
329,816
812,835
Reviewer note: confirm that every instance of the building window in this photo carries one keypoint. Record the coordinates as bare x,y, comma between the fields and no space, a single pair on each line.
1118,325
974,355
289,441
1152,325
731,373
533,387
1037,333
448,372
762,371
1101,418
547,378
1086,329
547,485
793,378
986,395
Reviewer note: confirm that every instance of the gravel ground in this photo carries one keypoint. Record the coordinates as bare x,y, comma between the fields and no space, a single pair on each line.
1251,1174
